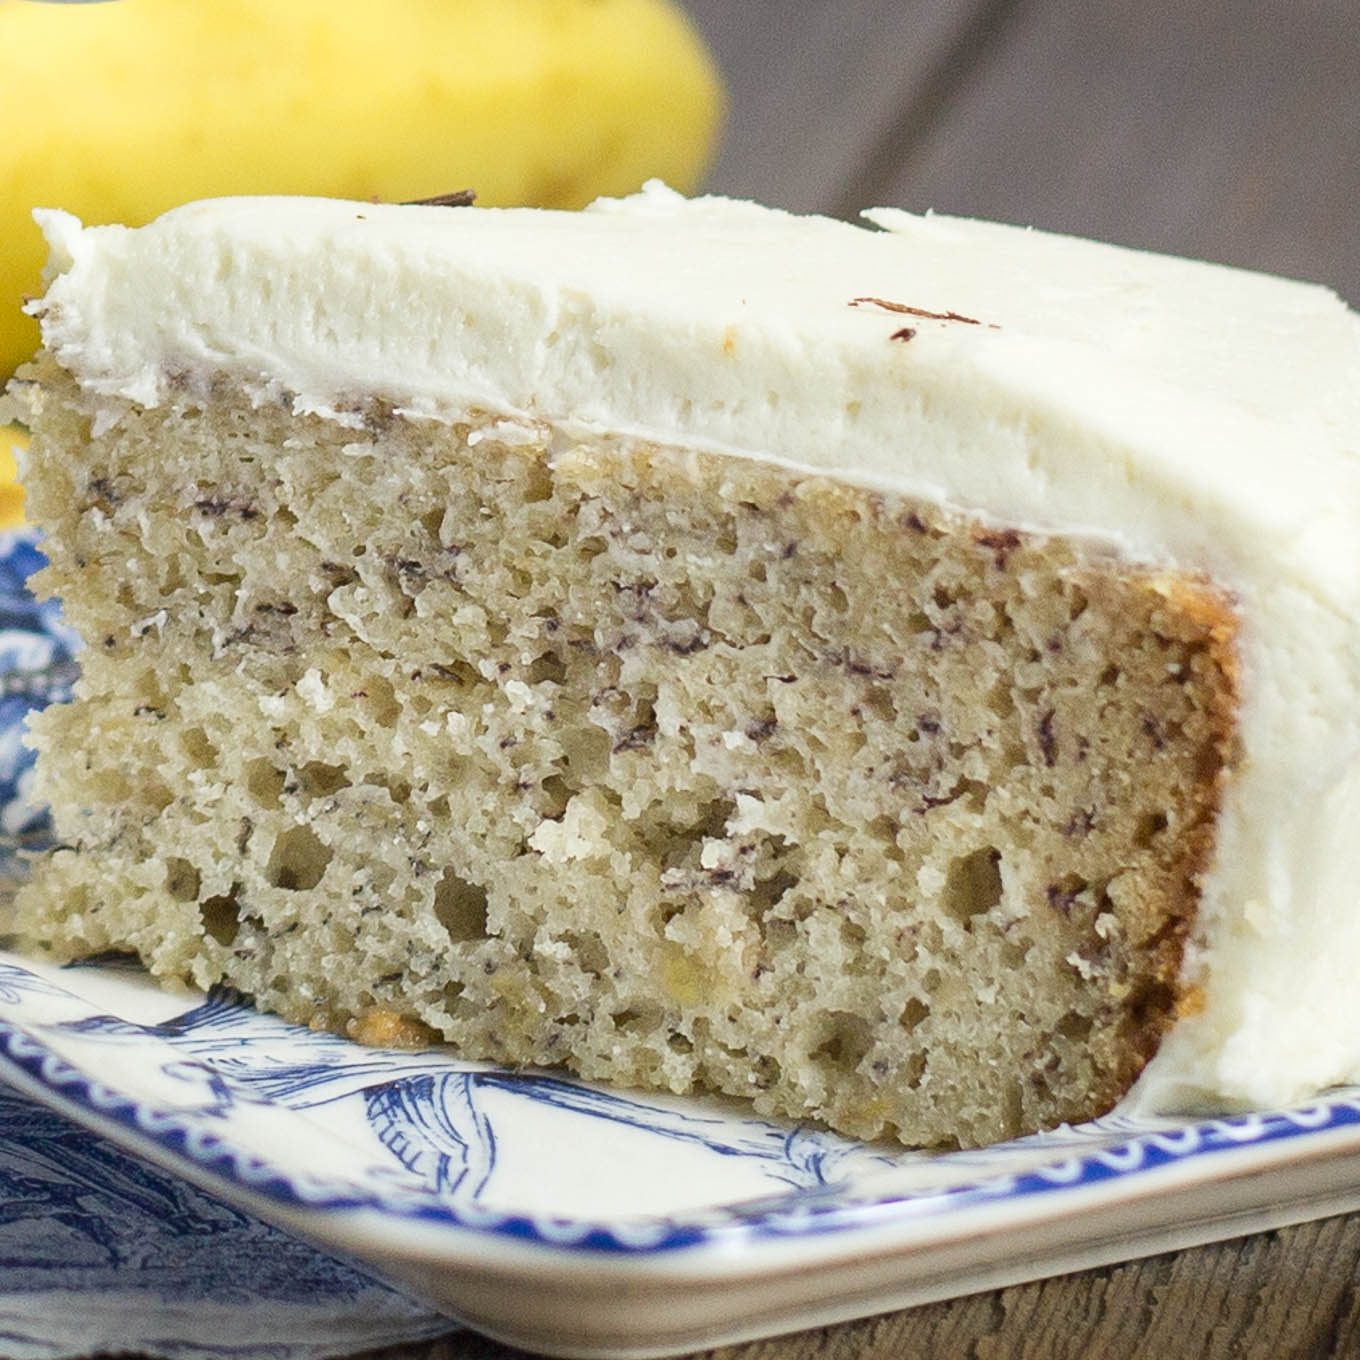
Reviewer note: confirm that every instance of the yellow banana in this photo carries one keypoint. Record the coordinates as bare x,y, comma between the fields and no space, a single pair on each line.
12,439
120,110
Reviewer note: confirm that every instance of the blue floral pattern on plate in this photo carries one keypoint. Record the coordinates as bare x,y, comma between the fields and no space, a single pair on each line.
37,667
421,1140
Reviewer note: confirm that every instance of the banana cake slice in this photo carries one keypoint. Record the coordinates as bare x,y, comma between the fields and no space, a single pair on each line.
905,675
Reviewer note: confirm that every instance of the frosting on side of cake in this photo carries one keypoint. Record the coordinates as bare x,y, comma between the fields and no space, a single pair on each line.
1199,417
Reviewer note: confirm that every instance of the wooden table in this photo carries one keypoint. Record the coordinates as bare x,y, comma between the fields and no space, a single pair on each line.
1211,128
1288,1295
1223,129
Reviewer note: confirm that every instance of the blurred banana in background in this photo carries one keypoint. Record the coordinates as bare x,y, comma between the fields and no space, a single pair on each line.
12,437
118,111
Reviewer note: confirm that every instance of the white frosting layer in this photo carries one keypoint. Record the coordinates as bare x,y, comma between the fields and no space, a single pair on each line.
1201,417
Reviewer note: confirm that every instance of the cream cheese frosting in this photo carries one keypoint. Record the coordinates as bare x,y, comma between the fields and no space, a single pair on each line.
1193,416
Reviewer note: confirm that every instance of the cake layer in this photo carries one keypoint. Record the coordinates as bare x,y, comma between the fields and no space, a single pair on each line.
1188,423
627,759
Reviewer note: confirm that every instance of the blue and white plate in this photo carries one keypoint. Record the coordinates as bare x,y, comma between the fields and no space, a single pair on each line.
578,1220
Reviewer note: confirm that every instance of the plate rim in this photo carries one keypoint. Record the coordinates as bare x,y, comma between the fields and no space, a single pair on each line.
825,1223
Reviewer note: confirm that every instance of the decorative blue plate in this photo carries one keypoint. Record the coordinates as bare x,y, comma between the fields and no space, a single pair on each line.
581,1221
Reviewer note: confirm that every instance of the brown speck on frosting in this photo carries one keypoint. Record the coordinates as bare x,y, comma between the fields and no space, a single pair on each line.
906,333
905,310
459,198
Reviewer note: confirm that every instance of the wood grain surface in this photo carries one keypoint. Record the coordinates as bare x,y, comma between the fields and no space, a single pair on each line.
1222,129
1286,1295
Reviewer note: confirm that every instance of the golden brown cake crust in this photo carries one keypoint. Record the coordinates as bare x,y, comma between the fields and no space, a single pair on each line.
680,770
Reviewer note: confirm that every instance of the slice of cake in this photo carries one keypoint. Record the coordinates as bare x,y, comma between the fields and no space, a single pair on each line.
907,677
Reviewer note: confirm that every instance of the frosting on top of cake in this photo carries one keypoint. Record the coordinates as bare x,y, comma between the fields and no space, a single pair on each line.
1054,381
1192,415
